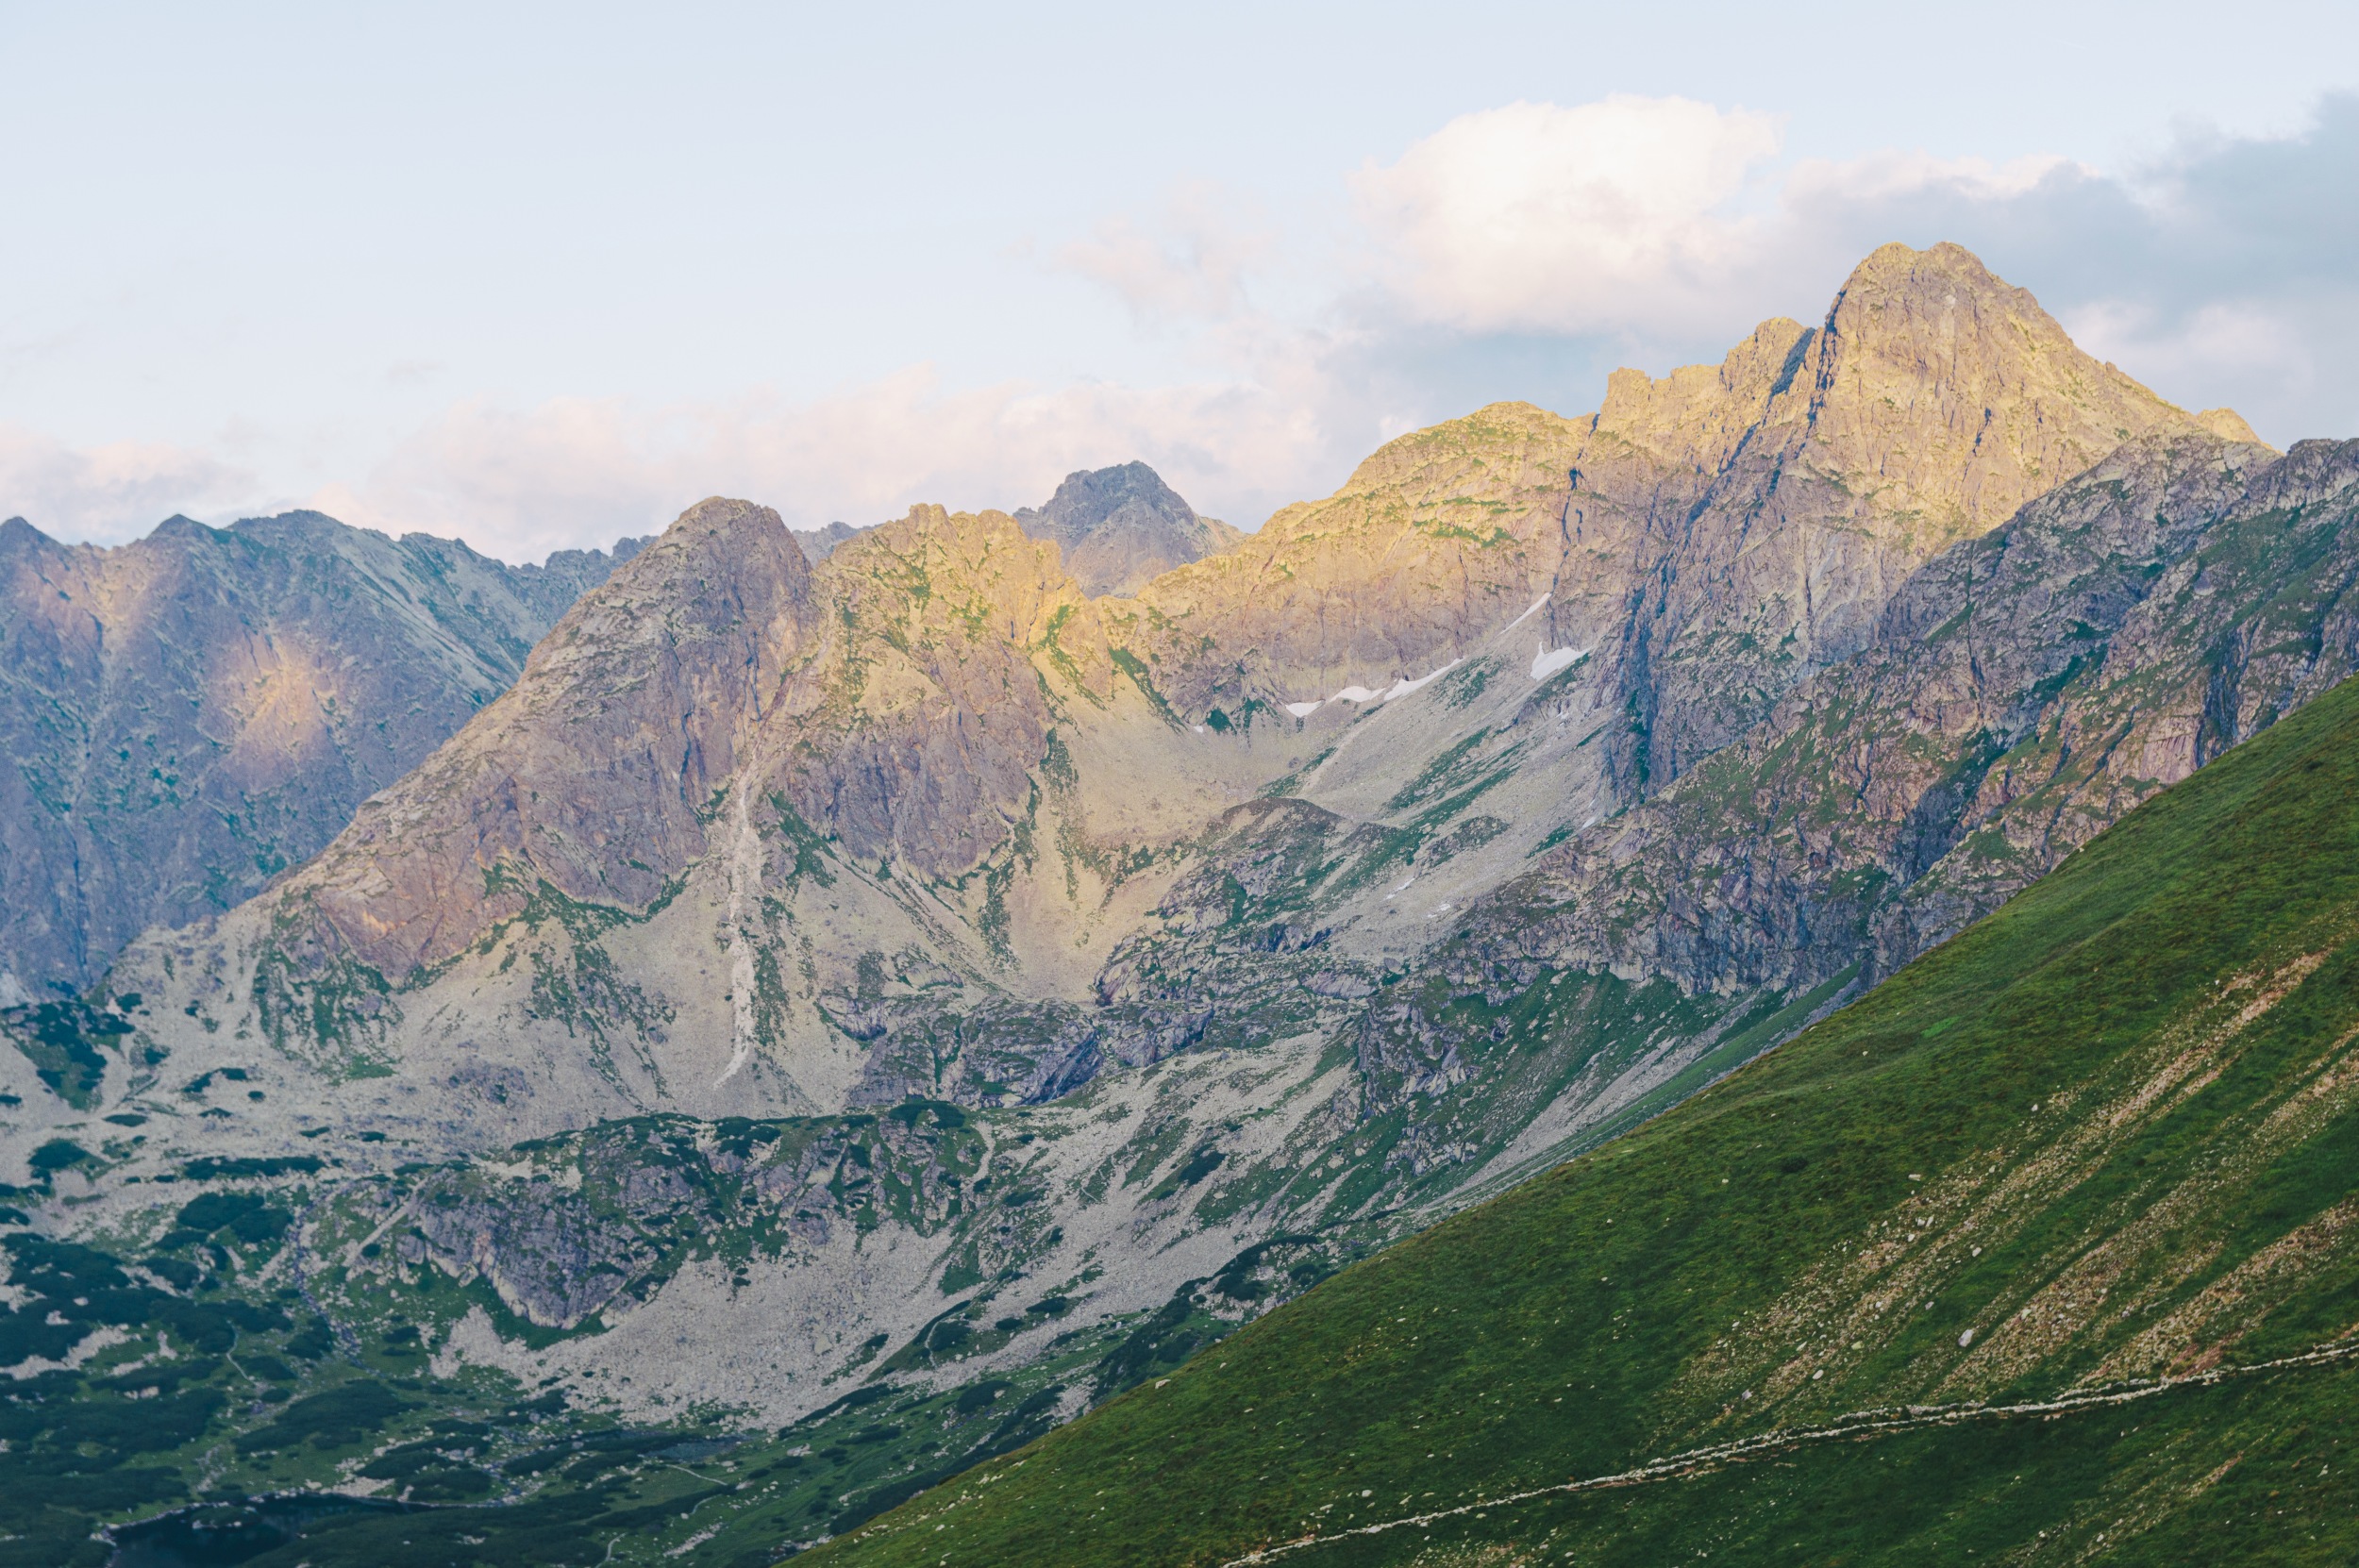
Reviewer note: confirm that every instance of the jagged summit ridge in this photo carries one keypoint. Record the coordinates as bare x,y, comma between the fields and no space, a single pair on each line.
917,700
1715,534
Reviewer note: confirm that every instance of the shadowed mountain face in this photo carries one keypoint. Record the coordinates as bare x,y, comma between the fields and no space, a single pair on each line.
1121,527
183,717
922,923
818,542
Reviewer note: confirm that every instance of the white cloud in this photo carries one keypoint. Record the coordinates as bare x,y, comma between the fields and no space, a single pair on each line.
1191,261
2283,363
1890,175
111,493
1652,219
1537,217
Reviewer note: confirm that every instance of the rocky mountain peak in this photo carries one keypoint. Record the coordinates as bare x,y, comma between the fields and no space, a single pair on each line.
819,542
1089,497
1951,397
1433,460
2228,425
590,773
1119,527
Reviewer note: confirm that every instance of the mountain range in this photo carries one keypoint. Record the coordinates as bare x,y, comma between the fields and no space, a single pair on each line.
907,986
186,716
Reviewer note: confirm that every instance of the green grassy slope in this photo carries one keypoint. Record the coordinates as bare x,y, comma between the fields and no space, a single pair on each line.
2097,1154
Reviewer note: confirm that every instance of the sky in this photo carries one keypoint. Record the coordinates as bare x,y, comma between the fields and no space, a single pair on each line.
539,276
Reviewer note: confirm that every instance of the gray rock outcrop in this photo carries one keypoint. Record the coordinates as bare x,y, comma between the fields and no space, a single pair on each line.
818,543
1119,528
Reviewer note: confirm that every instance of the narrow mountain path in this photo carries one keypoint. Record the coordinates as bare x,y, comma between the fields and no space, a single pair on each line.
1857,1426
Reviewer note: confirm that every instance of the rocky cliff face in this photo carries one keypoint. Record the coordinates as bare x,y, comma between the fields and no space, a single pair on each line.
911,728
1935,402
1121,527
2023,690
186,716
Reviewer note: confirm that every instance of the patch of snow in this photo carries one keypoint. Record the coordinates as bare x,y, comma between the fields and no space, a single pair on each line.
12,991
1545,663
1404,687
1199,729
1354,694
1527,614
1304,709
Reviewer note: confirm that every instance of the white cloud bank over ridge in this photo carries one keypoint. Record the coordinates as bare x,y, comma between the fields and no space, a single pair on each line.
1570,239
1539,218
1641,218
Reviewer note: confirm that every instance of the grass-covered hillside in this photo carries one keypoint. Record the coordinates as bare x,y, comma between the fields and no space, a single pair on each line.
2046,1251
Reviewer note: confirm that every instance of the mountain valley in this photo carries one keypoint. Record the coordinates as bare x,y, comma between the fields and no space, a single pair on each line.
887,993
